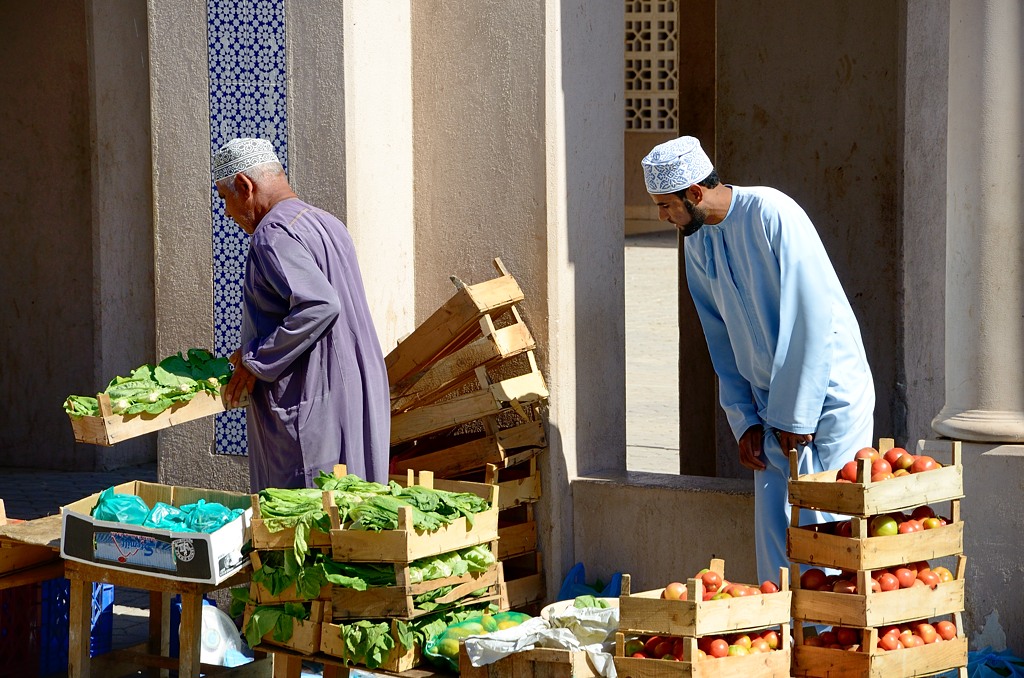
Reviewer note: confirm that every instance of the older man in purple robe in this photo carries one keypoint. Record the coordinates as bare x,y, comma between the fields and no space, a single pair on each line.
310,358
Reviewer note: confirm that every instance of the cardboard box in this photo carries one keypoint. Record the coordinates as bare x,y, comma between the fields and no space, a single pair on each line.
184,556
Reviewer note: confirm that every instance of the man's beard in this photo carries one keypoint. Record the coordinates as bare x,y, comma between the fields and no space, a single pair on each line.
698,216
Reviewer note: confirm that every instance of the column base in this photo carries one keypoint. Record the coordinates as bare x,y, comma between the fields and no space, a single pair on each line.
989,426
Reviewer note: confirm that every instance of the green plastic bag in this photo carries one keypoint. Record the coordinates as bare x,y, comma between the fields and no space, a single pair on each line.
443,649
120,508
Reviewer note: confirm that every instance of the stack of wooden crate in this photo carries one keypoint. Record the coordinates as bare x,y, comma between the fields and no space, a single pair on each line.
647,614
466,402
863,612
320,638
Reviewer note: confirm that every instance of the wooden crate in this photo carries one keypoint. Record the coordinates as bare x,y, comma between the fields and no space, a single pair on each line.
774,663
879,608
406,544
814,546
396,602
516,540
399,659
865,498
536,663
490,399
265,540
306,634
524,580
452,326
455,455
926,660
648,613
109,428
495,346
261,595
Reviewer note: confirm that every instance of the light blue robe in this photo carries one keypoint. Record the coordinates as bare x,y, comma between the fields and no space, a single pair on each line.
785,345
321,395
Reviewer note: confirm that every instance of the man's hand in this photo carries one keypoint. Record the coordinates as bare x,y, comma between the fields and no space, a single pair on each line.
794,441
751,443
242,380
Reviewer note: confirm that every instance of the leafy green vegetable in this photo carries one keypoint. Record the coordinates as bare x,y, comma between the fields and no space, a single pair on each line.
279,618
153,389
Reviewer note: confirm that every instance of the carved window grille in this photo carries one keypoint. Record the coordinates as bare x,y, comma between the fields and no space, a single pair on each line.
652,88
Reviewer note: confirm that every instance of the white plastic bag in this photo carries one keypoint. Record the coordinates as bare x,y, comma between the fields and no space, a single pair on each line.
220,638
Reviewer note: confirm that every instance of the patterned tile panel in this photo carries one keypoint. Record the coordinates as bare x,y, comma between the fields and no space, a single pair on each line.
248,98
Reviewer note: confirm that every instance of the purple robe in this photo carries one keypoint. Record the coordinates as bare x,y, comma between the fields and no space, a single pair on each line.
321,395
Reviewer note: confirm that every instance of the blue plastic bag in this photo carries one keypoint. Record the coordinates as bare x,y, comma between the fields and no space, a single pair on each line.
988,664
575,584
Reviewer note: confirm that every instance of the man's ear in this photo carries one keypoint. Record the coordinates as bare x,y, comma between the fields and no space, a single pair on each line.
243,185
695,193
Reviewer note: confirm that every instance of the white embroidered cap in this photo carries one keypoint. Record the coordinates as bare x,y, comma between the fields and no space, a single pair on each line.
239,155
675,166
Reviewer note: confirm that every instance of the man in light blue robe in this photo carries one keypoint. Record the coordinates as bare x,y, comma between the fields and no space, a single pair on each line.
783,338
310,358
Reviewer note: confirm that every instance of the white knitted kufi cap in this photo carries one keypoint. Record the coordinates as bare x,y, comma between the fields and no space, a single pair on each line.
675,166
239,155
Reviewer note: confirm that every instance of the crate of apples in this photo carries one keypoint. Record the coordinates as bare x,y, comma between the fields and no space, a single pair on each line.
876,481
763,652
707,604
879,597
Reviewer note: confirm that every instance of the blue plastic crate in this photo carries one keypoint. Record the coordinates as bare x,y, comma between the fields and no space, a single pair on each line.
55,613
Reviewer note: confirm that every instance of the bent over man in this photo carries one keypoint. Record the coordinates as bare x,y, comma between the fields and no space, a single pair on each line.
309,357
783,338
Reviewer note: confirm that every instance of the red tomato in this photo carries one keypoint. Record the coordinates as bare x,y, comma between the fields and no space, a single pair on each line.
946,630
812,579
926,632
867,453
888,582
892,455
923,463
906,577
719,648
712,580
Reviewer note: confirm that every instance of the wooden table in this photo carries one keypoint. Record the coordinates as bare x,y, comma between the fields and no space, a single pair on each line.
155,652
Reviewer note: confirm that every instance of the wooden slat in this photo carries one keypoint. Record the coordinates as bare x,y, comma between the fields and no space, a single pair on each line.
407,545
871,553
516,540
924,660
448,324
536,663
455,369
442,416
468,453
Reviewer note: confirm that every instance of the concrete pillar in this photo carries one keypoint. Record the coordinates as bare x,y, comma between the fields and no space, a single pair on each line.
378,150
985,211
122,204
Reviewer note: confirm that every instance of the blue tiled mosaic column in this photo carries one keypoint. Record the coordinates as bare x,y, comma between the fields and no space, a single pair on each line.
247,99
